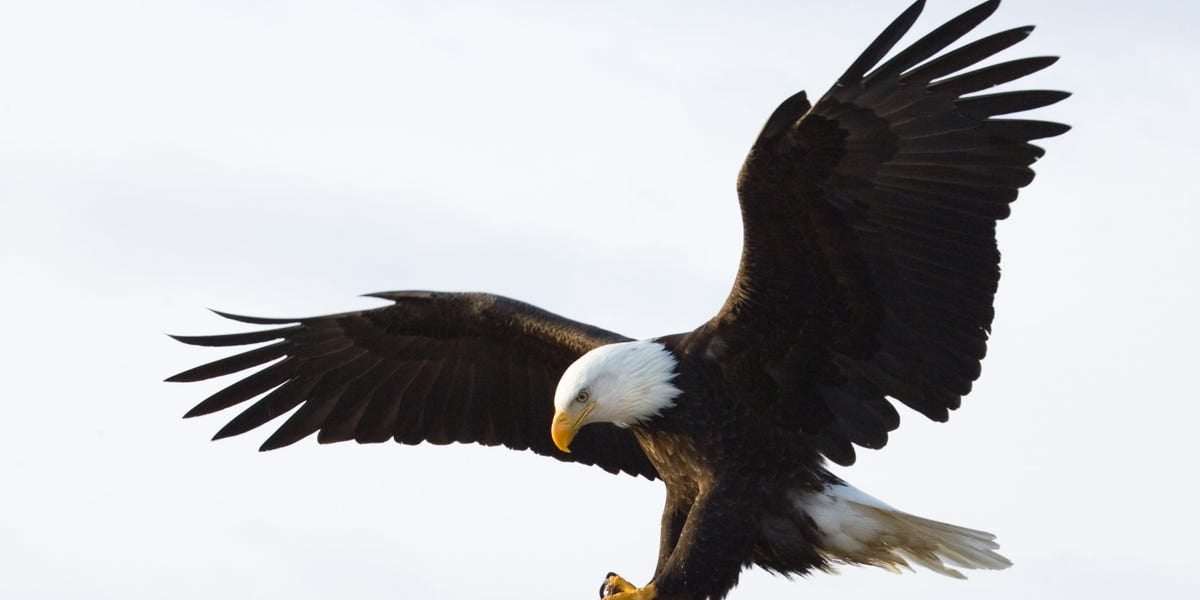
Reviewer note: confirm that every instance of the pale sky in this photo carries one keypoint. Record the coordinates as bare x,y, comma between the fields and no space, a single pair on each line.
279,158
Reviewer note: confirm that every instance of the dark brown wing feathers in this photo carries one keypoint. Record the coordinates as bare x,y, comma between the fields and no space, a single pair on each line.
868,272
430,367
870,253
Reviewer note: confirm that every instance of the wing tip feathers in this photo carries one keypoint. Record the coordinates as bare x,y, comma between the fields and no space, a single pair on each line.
252,320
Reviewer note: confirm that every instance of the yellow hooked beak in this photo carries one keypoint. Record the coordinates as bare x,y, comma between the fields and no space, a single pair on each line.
565,426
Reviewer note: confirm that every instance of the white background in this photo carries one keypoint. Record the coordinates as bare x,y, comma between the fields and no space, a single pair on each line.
278,158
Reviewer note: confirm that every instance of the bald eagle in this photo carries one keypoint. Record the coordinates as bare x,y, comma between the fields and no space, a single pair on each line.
868,271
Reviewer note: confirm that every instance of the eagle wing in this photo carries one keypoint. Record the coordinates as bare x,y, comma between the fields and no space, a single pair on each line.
431,367
869,262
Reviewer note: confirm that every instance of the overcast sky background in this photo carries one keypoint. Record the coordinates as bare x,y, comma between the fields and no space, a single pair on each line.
278,158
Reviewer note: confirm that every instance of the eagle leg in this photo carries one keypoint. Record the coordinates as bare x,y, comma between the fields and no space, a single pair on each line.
616,587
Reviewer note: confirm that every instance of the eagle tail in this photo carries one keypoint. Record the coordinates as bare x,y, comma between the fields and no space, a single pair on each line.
856,528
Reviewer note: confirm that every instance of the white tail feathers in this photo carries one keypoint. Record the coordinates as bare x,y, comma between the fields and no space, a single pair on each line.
857,528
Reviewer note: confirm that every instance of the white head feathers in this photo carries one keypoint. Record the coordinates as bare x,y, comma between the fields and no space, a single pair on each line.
629,382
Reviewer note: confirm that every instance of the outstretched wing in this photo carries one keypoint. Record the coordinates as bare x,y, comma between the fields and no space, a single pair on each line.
431,367
869,263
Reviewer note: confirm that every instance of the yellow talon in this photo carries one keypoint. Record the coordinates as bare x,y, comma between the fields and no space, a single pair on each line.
646,593
616,587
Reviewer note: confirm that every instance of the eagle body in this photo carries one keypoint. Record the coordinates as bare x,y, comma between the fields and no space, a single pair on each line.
713,432
868,272
731,476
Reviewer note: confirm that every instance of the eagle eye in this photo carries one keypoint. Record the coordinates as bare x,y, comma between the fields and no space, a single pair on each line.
582,396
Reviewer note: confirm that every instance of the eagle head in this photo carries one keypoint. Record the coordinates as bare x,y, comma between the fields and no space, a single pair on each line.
624,384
